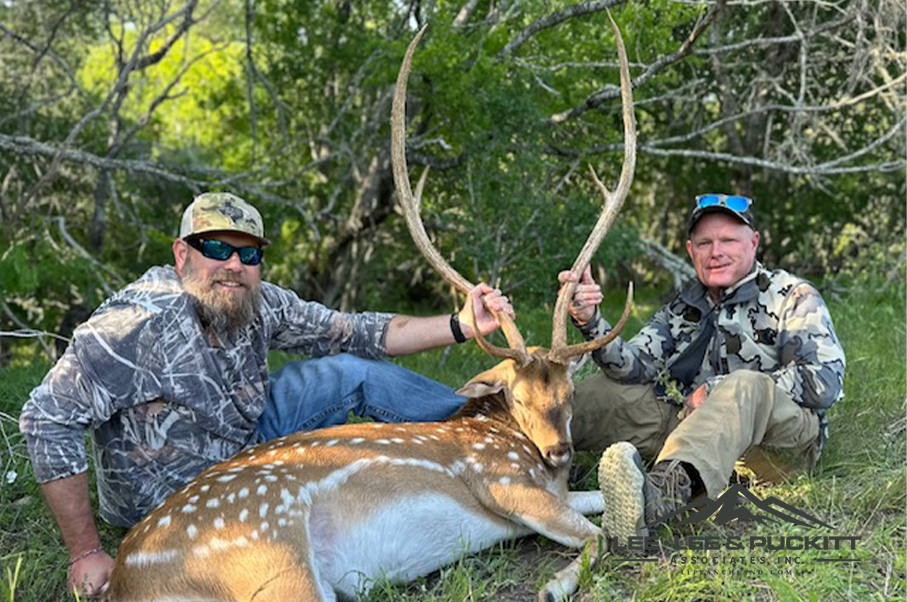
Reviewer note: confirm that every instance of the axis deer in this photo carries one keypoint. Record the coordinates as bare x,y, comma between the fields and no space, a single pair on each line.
317,514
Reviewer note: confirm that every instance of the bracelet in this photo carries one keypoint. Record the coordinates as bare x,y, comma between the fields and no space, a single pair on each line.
85,555
458,335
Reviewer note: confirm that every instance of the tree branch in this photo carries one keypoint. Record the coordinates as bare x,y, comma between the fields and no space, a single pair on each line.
556,18
611,91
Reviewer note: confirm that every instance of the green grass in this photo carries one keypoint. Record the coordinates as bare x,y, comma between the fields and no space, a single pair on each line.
858,487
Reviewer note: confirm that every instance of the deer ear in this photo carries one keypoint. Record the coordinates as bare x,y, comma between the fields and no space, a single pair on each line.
479,388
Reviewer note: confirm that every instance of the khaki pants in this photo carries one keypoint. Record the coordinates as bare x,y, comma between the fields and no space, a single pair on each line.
745,416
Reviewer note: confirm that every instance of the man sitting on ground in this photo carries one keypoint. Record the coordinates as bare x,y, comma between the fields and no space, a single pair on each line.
170,375
753,353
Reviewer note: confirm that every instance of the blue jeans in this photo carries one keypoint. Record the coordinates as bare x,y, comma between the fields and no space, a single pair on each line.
317,393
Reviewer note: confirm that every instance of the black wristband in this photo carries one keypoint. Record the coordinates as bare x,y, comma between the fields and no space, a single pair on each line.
458,335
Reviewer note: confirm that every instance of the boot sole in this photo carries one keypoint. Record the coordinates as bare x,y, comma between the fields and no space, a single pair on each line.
622,480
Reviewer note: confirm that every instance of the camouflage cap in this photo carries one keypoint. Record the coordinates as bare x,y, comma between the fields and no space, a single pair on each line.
222,211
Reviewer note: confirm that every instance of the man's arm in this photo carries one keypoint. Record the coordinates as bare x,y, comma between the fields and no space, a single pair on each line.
635,361
68,501
406,335
810,354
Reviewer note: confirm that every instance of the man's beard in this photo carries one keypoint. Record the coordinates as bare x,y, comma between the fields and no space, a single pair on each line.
221,310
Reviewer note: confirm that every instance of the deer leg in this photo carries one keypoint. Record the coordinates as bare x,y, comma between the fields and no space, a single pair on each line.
557,519
586,502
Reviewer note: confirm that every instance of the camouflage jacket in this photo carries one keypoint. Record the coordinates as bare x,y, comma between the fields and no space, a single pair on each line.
164,398
770,322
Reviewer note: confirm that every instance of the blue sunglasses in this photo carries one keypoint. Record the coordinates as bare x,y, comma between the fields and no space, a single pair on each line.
736,203
222,251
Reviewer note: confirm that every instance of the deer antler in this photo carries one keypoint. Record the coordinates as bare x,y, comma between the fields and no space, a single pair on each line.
560,352
410,205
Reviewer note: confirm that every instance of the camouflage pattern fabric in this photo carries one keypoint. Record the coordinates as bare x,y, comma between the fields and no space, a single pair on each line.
770,322
219,211
165,399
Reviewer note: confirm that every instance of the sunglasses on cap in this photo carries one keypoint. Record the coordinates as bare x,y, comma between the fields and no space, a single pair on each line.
222,251
733,202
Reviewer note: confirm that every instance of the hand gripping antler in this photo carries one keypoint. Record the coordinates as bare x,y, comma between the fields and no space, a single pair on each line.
560,352
410,205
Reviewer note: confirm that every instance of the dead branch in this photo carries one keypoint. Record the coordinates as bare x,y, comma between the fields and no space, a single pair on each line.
556,18
611,92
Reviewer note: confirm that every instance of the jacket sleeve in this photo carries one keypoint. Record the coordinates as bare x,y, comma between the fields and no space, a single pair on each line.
106,367
637,360
810,354
309,328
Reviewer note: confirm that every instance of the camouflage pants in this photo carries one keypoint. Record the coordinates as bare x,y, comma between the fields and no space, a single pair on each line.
746,416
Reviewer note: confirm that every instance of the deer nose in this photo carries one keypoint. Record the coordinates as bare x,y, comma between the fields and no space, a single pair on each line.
558,456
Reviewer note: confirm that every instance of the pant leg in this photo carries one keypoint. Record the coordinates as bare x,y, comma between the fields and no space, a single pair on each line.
744,411
605,412
317,393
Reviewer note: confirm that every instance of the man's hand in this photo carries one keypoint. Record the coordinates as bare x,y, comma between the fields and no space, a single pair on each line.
586,298
695,399
89,575
485,300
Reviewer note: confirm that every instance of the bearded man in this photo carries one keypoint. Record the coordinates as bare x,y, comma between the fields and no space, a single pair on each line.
170,376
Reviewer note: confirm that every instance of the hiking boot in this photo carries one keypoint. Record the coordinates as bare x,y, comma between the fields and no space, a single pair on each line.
634,501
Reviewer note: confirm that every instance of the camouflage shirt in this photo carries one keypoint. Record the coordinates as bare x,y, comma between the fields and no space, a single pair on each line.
163,397
769,322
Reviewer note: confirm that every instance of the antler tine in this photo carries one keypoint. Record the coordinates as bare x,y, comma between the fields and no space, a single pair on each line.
563,354
612,201
410,206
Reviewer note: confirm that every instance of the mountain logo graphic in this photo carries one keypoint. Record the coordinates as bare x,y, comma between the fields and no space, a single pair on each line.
728,509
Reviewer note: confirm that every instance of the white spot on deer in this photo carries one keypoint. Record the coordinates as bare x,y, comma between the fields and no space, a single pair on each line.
262,489
418,441
489,439
226,478
434,437
481,417
382,442
273,452
188,509
514,465
504,480
271,478
316,443
219,523
213,503
398,440
263,510
191,531
193,499
264,527
401,429
356,441
527,450
164,522
232,497
254,535
205,488
143,559
243,515
236,469
282,522
478,446
332,443
513,455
